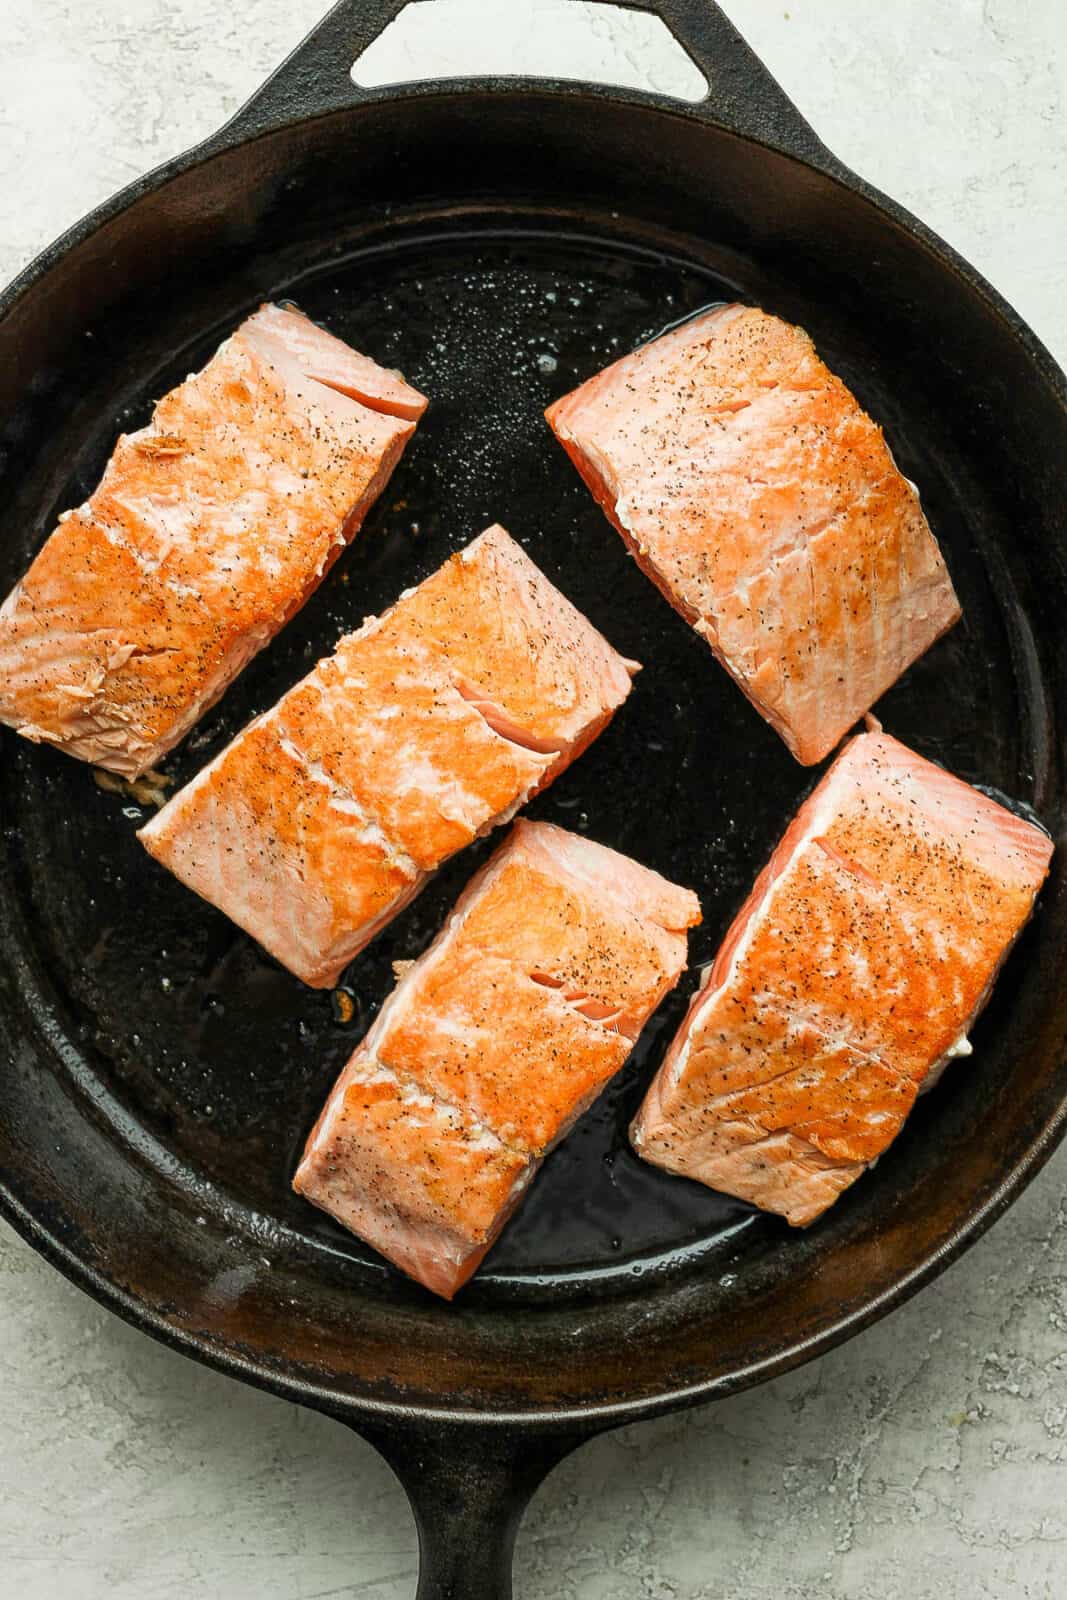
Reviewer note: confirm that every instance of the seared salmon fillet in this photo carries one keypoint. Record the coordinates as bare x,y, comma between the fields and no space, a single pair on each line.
752,488
491,1046
868,946
432,724
209,529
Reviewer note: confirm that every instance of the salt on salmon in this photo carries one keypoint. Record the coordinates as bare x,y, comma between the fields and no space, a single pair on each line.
431,725
753,489
491,1046
209,529
850,978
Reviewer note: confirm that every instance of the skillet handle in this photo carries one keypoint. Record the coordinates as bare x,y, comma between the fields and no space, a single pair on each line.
469,1486
314,79
742,95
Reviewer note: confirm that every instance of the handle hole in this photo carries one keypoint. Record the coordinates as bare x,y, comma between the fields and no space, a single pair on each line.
601,43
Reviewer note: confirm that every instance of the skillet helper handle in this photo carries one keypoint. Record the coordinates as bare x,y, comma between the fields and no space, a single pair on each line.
315,78
469,1486
742,97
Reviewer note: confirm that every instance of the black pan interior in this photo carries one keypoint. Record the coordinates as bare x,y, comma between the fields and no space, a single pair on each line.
197,1064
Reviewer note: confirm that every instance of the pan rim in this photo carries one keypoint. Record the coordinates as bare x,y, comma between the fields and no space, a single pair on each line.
352,1407
221,143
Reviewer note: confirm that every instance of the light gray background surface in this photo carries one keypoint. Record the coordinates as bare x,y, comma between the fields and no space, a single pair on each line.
927,1458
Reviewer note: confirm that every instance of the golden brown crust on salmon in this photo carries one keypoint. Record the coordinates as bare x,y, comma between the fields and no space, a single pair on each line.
490,1047
428,727
209,529
765,504
850,977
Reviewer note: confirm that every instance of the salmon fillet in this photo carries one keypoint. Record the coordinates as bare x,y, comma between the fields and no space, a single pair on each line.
868,946
491,1046
431,725
209,529
752,488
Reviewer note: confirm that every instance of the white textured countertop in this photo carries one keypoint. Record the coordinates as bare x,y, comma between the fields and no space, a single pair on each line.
924,1460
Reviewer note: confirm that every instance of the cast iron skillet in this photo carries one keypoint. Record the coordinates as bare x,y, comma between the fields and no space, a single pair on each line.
499,240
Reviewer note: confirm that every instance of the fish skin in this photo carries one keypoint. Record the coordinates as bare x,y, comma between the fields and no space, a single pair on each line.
209,529
870,943
764,503
491,1046
426,728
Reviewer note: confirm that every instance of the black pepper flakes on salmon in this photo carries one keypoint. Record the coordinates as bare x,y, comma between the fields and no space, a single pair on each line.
851,976
491,1046
787,536
208,531
428,727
